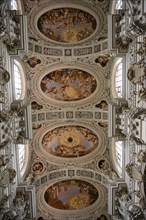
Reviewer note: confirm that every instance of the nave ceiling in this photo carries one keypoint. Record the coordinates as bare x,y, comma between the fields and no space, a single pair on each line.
67,78
72,109
68,86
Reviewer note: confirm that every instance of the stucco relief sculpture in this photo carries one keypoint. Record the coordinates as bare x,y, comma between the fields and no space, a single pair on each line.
2,94
142,94
18,209
124,41
20,200
142,49
133,172
5,143
136,139
30,178
111,175
141,199
36,126
4,116
123,195
8,177
141,156
4,159
136,75
11,214
4,202
135,212
4,76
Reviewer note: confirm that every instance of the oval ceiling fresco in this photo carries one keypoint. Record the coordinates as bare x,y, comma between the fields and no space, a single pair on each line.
68,84
66,25
69,141
71,195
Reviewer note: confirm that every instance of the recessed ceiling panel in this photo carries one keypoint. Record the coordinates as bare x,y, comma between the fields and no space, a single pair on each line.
67,25
68,84
71,195
70,141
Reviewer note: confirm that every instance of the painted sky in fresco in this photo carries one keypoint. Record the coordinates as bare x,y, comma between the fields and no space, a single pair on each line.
68,84
67,25
71,195
69,141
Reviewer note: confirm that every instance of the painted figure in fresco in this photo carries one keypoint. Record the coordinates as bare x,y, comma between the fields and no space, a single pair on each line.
103,60
36,106
102,217
103,124
71,195
36,126
70,141
102,105
33,61
67,25
68,84
103,165
37,167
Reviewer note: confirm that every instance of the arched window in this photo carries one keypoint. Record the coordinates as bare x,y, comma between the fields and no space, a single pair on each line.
23,158
119,4
21,153
14,5
117,156
19,81
118,79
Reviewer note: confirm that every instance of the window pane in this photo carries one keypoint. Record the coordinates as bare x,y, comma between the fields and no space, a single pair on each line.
118,80
17,82
119,4
14,5
21,152
118,151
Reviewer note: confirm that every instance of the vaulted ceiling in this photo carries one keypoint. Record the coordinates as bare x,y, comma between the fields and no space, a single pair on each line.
68,85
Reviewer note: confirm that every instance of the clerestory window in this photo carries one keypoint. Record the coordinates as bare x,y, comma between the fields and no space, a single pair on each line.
14,5
118,79
119,4
21,153
19,81
118,152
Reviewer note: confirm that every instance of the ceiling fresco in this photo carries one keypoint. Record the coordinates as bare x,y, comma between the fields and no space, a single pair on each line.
68,84
71,195
70,141
68,67
67,25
